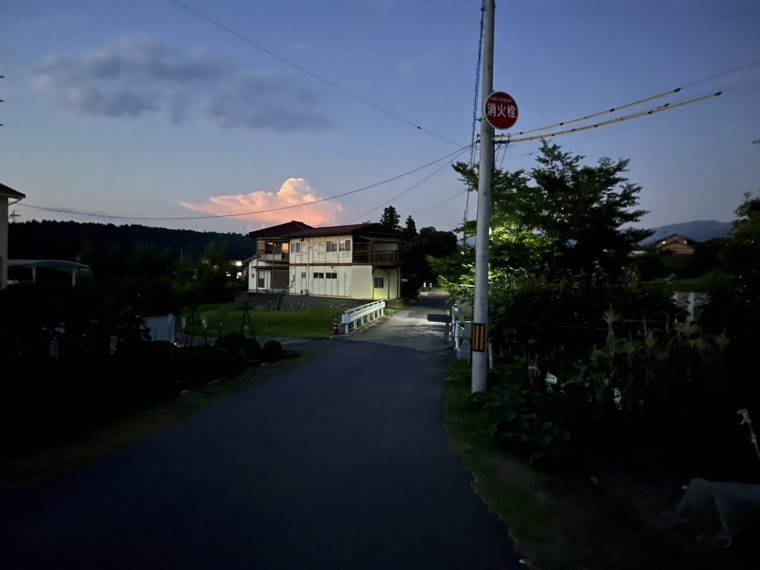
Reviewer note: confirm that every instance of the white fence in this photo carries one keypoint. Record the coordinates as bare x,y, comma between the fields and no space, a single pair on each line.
461,329
161,328
361,315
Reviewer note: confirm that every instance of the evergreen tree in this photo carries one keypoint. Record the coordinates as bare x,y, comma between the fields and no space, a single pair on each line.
390,219
411,227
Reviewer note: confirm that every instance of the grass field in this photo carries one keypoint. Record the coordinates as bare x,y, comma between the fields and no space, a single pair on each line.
228,318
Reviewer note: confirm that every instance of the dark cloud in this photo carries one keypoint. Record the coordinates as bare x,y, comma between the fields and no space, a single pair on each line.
265,102
89,99
139,75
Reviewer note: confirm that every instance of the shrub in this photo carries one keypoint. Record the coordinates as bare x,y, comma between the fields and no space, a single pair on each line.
272,350
240,344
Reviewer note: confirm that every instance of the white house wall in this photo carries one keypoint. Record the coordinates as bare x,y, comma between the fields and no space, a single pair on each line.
315,271
391,283
362,278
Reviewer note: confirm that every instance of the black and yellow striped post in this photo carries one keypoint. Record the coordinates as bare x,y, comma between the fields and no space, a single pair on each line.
478,340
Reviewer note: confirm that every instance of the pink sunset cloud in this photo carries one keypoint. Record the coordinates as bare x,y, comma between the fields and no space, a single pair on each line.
293,191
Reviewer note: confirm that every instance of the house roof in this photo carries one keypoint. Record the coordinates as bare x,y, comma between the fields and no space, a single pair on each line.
57,264
328,231
295,229
675,237
280,230
368,231
9,192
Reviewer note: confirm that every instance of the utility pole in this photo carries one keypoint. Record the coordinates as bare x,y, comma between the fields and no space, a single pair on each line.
480,310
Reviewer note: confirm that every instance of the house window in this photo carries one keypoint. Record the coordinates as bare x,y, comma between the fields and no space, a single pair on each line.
331,275
296,247
345,245
261,281
303,275
331,246
272,248
319,275
379,282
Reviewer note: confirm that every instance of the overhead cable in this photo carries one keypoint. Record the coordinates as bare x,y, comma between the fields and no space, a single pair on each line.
652,111
412,187
215,216
476,100
316,76
639,101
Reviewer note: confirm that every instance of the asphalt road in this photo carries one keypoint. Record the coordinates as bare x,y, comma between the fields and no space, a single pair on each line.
340,463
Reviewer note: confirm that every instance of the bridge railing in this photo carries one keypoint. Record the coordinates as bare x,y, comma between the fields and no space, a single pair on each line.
357,317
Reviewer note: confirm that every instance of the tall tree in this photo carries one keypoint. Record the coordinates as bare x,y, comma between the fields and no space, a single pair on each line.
411,227
562,215
390,219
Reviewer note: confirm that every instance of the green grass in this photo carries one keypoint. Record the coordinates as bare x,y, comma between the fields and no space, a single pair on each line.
129,429
227,318
558,523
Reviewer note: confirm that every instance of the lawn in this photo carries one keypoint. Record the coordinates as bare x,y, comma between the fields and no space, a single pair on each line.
129,429
228,318
560,523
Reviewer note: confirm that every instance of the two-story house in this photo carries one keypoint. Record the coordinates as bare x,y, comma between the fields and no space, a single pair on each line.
361,261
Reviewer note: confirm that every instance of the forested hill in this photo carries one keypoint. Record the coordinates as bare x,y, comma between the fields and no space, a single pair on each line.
65,240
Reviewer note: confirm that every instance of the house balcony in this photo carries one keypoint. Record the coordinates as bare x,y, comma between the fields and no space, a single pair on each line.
377,258
273,257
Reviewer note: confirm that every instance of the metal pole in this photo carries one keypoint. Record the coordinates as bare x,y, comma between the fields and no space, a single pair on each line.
480,313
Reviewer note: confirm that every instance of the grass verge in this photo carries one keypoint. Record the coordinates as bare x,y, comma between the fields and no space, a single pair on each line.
557,523
129,429
224,319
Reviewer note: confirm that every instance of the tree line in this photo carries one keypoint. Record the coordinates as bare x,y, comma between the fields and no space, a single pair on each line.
51,239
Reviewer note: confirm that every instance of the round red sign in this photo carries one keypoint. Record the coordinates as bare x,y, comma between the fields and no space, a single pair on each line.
500,110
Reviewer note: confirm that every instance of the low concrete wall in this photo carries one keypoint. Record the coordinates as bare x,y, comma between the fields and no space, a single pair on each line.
285,302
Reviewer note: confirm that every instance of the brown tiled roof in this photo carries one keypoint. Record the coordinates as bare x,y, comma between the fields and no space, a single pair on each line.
10,192
281,230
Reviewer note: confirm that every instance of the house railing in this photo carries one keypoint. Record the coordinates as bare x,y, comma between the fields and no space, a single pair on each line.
377,257
272,256
354,319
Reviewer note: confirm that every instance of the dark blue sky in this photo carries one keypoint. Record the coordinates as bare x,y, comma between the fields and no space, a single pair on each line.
141,108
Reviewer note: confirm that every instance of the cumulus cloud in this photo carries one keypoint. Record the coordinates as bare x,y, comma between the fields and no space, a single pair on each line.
136,76
293,191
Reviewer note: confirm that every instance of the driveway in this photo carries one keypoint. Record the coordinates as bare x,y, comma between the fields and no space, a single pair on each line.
340,463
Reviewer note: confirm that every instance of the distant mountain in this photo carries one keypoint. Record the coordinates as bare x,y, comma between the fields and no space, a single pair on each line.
64,240
697,230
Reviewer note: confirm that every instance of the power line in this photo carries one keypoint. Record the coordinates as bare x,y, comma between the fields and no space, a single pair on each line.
475,102
412,187
605,112
640,101
475,107
652,111
440,204
215,216
302,69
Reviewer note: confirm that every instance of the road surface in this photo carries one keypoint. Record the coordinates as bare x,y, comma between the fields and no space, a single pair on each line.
340,463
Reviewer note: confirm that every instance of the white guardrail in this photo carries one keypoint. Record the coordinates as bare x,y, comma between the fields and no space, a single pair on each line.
359,316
